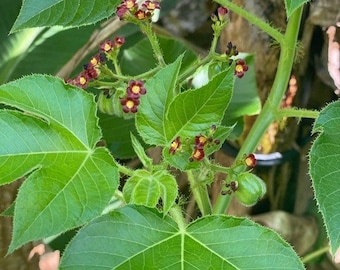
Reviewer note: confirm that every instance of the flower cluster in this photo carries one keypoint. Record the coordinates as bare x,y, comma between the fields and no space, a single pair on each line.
240,68
112,45
133,92
197,148
141,10
93,68
91,71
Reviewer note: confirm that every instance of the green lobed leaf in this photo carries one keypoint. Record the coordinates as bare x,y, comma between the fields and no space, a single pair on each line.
292,5
169,189
142,188
146,188
150,119
63,12
324,167
139,238
52,140
195,111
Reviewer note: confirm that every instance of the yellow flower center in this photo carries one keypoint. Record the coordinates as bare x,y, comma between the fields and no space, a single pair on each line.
197,154
151,6
107,47
94,61
135,89
82,80
202,139
130,104
130,4
174,145
239,68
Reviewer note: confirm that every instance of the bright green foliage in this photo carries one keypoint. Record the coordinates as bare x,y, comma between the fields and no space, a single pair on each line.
147,188
63,12
140,238
292,5
324,166
151,119
51,139
195,111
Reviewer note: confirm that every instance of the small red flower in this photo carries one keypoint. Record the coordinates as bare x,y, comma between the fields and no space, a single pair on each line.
97,60
121,11
135,89
92,72
222,13
175,145
250,160
197,154
130,4
129,104
107,46
151,5
141,14
119,42
82,80
200,141
240,68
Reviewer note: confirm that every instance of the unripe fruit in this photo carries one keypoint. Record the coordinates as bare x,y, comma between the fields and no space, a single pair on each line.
250,188
104,102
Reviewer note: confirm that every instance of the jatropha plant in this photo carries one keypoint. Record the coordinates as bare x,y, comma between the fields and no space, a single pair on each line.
51,136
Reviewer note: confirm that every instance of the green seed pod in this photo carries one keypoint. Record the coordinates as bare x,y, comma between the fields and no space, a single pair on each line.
105,103
250,188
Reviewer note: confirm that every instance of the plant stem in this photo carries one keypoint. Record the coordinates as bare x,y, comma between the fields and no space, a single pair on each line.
147,29
177,215
265,27
298,113
199,189
122,169
315,254
271,106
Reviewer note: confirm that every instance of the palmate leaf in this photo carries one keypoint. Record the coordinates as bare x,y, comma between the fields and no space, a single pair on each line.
51,139
324,167
140,238
63,12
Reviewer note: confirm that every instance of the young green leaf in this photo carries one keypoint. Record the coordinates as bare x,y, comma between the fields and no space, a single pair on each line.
150,119
292,5
124,238
51,139
195,111
146,188
324,164
63,12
